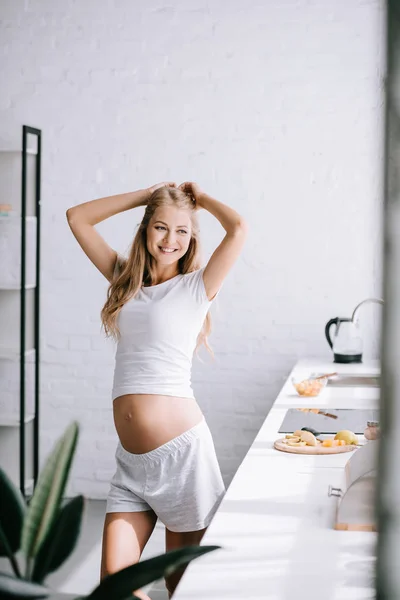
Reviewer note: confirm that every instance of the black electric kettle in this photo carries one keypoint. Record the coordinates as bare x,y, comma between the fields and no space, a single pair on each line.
347,342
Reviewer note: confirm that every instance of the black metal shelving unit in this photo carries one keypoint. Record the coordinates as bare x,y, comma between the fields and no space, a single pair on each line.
19,427
26,131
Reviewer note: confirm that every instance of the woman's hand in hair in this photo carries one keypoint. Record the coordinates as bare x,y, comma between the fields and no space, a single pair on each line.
192,189
155,187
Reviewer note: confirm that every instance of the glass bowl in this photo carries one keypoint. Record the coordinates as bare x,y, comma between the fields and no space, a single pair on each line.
309,386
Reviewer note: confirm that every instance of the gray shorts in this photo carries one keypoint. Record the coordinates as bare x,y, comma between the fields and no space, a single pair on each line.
180,480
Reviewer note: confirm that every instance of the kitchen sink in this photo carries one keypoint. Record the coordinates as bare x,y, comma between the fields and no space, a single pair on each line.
348,380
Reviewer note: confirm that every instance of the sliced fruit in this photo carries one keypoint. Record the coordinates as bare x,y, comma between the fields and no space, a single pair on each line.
291,443
309,387
328,443
348,436
309,438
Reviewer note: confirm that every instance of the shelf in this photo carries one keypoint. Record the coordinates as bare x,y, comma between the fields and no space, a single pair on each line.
17,217
29,485
14,353
20,175
10,151
13,420
17,286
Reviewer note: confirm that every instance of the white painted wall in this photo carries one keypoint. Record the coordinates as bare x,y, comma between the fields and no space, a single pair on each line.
272,107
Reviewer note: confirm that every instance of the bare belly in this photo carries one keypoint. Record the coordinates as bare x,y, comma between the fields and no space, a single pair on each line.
146,421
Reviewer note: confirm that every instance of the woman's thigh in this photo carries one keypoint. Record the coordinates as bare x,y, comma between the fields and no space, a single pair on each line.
125,535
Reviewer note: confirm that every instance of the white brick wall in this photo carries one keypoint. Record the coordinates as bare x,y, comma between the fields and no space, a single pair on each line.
273,107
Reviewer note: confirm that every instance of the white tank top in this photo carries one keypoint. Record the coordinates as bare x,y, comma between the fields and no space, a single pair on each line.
159,329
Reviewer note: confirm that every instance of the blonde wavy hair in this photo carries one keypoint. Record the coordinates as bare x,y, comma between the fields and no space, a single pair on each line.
138,268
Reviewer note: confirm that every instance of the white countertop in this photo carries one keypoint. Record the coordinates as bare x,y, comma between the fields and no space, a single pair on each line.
275,523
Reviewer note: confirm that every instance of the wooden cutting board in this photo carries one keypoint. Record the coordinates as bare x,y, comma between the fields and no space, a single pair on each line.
280,445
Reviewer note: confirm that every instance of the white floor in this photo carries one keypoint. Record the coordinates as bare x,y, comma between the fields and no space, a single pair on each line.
80,573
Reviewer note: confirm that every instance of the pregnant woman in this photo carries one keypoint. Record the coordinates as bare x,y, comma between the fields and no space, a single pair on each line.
157,309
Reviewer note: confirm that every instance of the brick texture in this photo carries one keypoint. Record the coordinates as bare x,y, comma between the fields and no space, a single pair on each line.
275,108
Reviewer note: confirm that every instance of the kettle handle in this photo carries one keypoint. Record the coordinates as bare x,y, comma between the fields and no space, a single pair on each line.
327,329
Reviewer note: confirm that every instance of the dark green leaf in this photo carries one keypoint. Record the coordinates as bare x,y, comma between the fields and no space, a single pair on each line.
61,539
11,587
12,511
120,585
47,497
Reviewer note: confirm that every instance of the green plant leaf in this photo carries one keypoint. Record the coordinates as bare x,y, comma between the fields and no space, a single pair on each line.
46,499
12,511
61,540
119,586
11,587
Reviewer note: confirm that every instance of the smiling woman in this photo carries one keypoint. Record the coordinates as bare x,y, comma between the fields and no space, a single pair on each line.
168,233
158,309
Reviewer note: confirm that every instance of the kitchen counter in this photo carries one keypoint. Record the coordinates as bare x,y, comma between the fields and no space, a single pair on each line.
275,523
